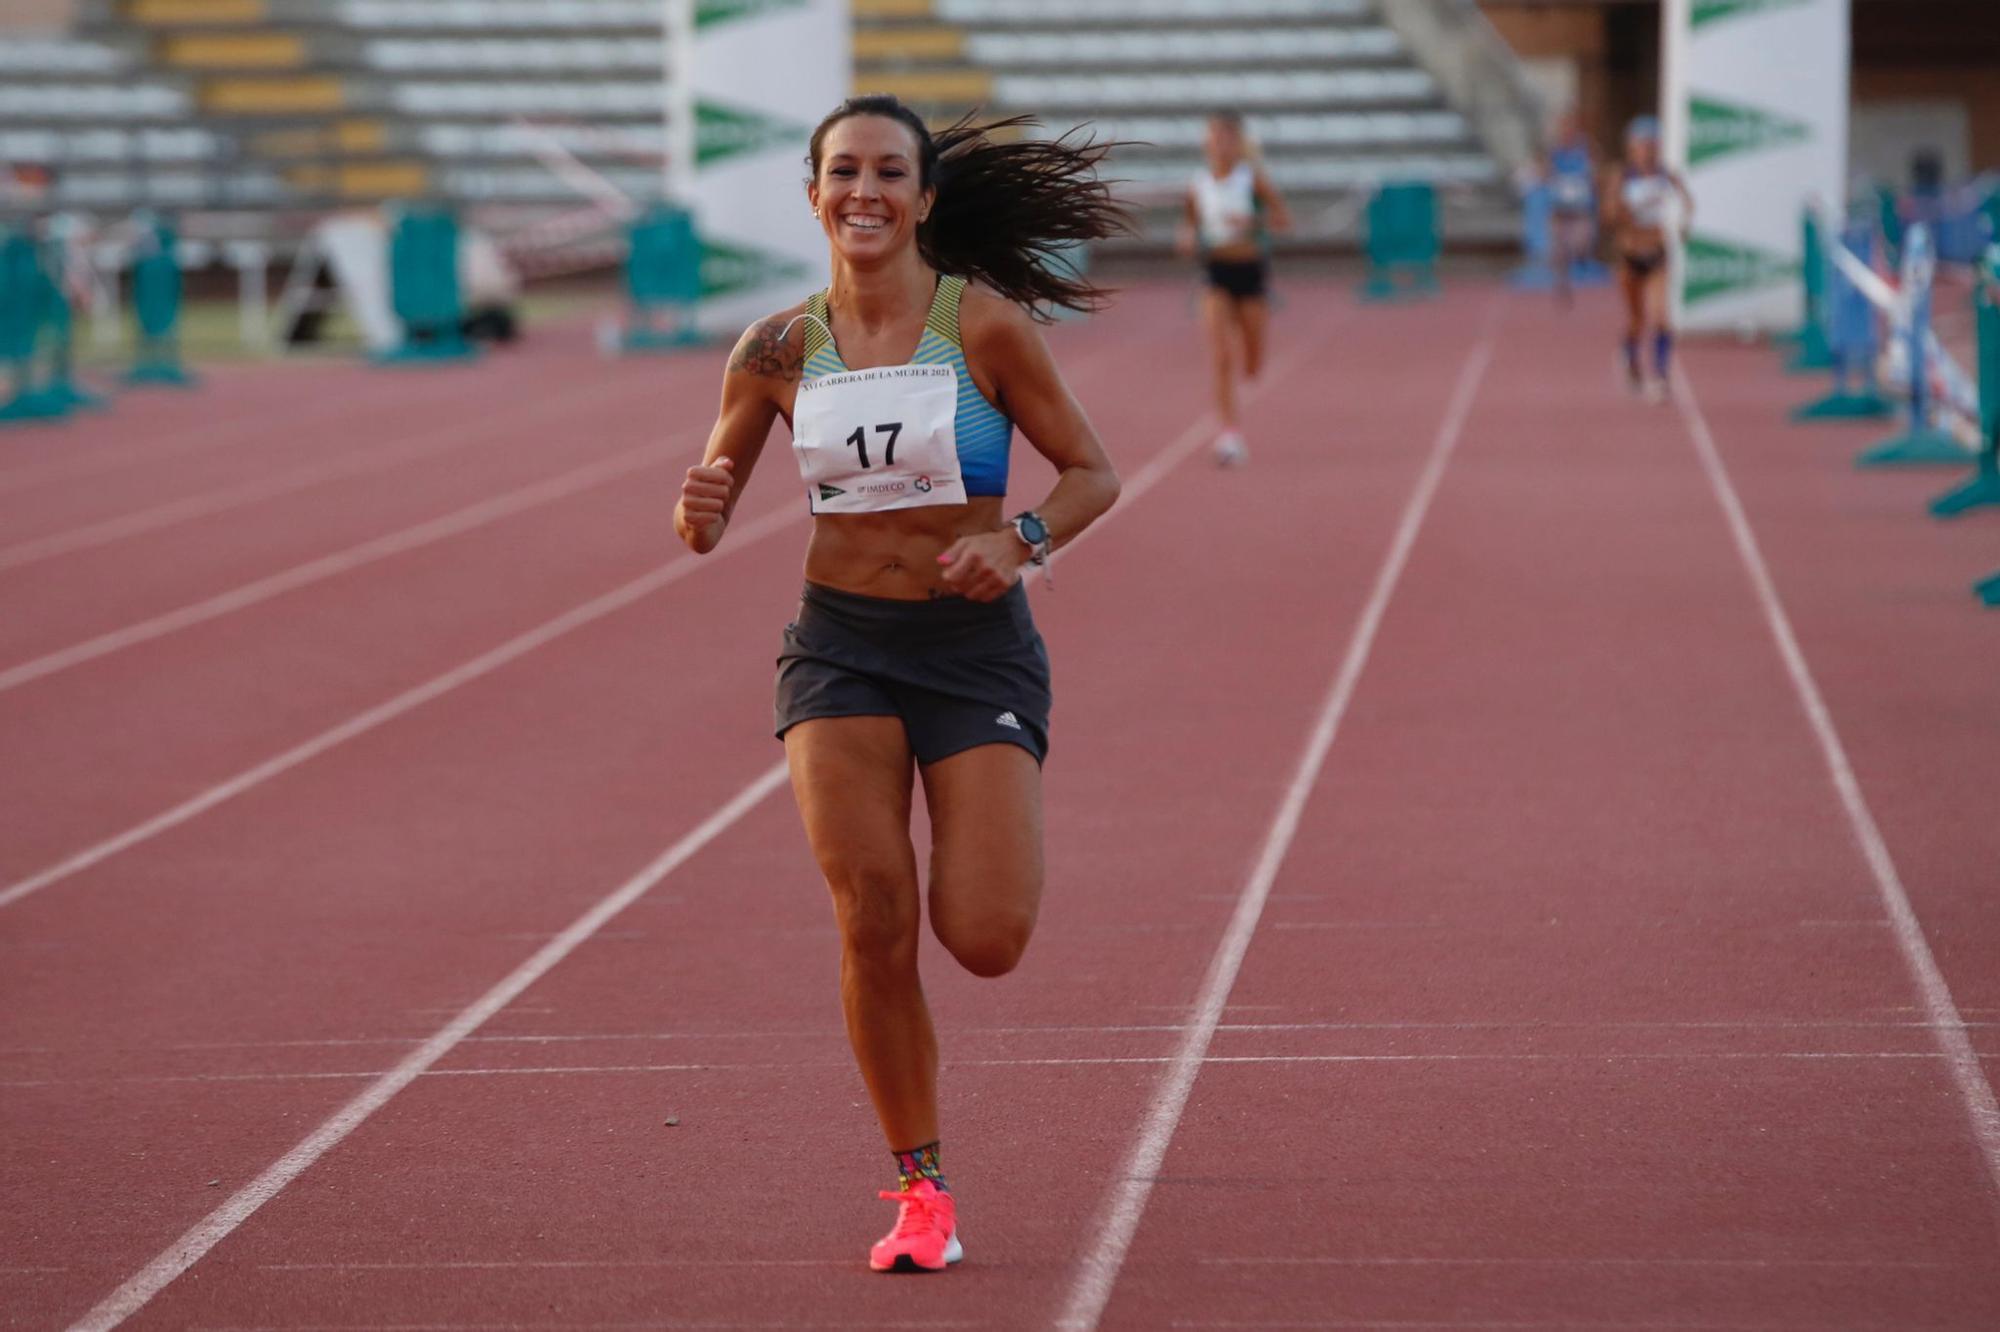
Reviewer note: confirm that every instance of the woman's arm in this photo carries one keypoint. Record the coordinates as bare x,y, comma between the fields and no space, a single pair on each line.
1009,347
1687,201
764,360
1280,217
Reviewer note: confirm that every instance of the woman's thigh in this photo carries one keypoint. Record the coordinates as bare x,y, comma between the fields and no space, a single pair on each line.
986,844
853,777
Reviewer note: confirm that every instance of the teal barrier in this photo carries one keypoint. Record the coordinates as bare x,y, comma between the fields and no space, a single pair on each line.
1983,490
423,286
23,299
156,306
662,281
1921,443
1851,333
1402,243
1812,353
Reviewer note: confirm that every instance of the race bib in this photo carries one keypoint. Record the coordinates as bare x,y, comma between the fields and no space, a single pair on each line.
870,440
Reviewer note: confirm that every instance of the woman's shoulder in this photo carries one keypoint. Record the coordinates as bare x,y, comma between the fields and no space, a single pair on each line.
985,315
773,347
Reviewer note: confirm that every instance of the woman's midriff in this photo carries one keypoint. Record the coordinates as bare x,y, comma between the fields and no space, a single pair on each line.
895,553
1641,240
1236,252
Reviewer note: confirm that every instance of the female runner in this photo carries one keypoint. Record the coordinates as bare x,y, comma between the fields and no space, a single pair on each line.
1572,182
1638,199
1231,208
913,654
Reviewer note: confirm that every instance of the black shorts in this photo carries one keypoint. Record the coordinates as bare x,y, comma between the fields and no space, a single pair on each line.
1240,279
1644,263
958,673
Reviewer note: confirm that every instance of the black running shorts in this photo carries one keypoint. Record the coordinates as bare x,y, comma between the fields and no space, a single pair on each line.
958,673
1240,279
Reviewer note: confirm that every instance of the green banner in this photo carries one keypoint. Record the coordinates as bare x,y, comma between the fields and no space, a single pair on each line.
1720,268
727,268
1716,11
707,12
722,131
1718,129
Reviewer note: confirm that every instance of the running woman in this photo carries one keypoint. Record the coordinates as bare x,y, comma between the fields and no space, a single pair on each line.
914,656
1232,208
1572,183
1639,199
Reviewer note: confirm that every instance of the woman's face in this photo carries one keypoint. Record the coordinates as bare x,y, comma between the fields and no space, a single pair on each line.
1643,154
1225,143
866,195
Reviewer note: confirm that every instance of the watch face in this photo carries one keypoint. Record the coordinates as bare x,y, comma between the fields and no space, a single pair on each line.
1033,530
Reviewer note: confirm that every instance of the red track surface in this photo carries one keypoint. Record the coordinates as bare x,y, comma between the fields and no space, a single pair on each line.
1574,1002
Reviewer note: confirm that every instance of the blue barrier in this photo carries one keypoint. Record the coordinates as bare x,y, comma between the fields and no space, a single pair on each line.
156,306
1852,338
1983,490
1921,442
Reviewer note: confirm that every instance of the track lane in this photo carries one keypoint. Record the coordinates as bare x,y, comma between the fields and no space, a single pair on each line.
380,887
1567,1008
750,952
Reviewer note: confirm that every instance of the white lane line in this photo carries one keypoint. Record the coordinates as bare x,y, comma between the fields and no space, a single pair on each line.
457,523
188,1250
1134,1182
1082,1061
483,664
1754,1264
458,434
210,1231
1947,1025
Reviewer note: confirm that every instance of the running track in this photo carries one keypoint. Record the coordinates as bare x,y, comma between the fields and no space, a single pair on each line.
1491,887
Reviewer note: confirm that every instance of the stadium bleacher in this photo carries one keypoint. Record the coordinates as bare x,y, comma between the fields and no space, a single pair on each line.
305,105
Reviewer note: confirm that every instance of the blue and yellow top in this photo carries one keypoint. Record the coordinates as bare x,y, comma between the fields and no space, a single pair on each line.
983,432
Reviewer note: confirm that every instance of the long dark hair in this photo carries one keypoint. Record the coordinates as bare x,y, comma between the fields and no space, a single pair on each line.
1005,211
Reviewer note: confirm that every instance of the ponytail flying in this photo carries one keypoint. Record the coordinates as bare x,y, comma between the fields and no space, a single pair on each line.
1005,210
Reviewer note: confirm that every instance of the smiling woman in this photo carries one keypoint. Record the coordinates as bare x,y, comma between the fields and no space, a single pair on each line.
913,653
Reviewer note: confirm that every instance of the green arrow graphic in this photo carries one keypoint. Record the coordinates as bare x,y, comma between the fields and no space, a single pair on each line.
731,268
707,12
1715,11
722,131
1717,268
1717,129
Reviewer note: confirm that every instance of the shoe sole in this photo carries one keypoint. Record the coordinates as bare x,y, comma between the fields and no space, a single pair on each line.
954,1252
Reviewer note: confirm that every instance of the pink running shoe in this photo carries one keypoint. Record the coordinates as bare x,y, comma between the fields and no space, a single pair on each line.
926,1235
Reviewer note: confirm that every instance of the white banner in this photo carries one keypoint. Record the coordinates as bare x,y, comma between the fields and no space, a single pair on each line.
746,82
1755,105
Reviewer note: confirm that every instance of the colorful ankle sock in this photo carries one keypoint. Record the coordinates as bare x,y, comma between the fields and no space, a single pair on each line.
1663,353
920,1163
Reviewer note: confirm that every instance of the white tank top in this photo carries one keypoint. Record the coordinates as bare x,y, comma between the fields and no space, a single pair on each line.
1226,209
1647,200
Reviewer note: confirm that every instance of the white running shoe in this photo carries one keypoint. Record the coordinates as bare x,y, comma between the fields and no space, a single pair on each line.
1654,392
1230,450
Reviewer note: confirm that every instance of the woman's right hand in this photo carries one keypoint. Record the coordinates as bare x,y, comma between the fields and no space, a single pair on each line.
705,503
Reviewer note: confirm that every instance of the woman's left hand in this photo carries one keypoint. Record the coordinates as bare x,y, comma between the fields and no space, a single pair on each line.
984,567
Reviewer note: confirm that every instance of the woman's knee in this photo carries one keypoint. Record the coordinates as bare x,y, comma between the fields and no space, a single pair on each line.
876,908
990,942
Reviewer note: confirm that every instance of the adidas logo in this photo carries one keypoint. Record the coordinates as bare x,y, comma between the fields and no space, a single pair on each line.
1008,720
828,492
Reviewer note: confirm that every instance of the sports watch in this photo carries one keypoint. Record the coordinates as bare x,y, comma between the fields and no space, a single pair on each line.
1034,534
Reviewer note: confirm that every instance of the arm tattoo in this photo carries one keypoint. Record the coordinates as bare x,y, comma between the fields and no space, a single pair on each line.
765,351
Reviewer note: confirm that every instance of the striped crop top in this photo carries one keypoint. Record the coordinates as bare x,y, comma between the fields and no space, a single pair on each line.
984,434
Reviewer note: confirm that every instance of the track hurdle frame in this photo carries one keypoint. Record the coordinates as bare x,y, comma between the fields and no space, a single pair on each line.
156,306
1812,353
1921,443
662,281
1403,242
424,287
1852,335
1983,489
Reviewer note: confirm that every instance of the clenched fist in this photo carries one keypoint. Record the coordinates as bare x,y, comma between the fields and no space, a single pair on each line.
984,567
704,500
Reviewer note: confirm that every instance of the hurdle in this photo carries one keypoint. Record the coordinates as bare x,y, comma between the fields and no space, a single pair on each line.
662,281
1402,243
1811,351
22,298
424,287
156,306
1922,443
1851,335
1983,490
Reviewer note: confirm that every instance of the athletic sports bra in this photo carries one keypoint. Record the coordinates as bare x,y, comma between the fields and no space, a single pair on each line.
968,436
1226,209
1647,199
